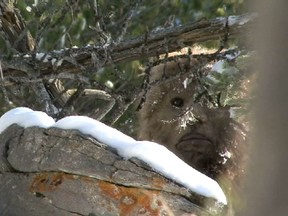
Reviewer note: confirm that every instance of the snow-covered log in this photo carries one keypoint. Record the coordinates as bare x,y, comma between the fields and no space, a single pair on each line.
55,171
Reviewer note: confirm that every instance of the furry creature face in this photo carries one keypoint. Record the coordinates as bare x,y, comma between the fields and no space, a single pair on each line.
206,138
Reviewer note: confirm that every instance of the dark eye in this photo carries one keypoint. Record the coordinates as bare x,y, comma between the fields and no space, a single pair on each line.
177,102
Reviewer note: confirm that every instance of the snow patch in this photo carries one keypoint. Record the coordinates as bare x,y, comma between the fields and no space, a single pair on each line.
29,9
168,164
53,61
185,83
226,155
59,62
232,20
25,117
109,84
98,130
241,20
222,19
232,56
40,57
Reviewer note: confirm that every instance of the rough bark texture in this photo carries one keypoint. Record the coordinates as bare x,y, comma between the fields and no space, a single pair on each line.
267,176
13,28
63,172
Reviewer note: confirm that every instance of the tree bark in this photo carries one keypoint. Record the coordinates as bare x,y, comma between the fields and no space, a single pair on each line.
14,28
63,172
267,176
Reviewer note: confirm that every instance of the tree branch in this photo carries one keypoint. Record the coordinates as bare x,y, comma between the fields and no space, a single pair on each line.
151,44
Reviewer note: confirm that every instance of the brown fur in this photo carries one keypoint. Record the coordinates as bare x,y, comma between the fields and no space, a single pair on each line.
202,143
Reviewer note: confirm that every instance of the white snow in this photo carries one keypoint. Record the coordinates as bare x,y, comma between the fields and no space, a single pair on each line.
59,62
241,20
99,130
53,61
226,155
222,19
232,56
25,117
29,9
185,83
109,84
171,166
232,20
157,156
39,56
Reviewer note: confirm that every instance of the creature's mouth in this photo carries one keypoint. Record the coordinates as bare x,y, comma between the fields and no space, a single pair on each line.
195,142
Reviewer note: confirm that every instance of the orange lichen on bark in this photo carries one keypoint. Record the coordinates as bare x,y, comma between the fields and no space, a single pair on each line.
45,182
135,201
128,200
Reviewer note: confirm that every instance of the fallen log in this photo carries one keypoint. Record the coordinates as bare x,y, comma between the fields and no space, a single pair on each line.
63,172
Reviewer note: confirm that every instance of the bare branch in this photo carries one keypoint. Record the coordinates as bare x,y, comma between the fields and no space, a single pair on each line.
155,44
